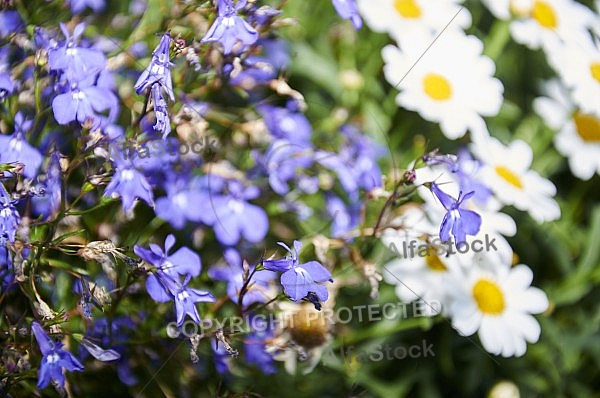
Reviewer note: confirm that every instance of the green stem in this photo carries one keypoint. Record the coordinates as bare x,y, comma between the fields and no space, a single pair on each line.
497,39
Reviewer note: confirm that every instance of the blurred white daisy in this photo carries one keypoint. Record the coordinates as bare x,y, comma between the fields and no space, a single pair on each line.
452,83
497,302
507,171
403,18
540,23
578,136
578,65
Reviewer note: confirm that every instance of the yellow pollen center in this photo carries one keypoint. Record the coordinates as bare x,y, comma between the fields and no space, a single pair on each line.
509,176
434,263
489,297
407,8
588,127
595,69
437,87
544,14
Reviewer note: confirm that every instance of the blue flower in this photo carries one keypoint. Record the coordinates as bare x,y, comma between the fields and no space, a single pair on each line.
49,202
181,202
164,284
89,101
7,86
343,217
457,221
159,70
77,63
229,28
255,344
235,218
347,9
287,123
14,148
284,162
9,216
129,184
10,22
233,274
54,359
301,281
77,6
163,122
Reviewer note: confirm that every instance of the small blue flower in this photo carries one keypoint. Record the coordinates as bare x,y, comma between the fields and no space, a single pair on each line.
88,101
77,6
301,281
235,218
77,63
287,123
163,122
129,184
10,22
9,216
185,297
347,9
457,221
14,148
229,28
159,70
7,86
49,202
54,359
255,344
181,202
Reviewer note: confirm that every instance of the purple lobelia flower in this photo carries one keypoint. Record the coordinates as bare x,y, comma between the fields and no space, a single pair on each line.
347,9
10,22
163,122
233,274
77,6
466,173
360,154
7,86
129,184
235,218
287,123
457,221
14,148
164,284
159,70
54,359
344,217
229,28
77,63
186,200
255,343
9,216
89,101
301,281
49,202
284,162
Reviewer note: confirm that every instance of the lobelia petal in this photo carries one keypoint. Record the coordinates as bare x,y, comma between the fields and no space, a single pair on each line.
317,271
64,108
186,261
156,290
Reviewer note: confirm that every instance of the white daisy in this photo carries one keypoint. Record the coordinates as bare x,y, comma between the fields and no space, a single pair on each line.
452,83
578,136
539,23
402,18
507,171
578,64
497,302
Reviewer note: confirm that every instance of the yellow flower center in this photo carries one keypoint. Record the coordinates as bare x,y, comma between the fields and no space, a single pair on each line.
434,263
595,69
588,127
489,297
509,176
407,8
544,14
437,87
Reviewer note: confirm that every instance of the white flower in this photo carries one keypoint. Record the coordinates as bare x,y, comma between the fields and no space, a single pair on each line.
507,171
451,84
540,23
403,18
578,135
578,64
497,301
